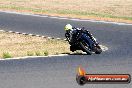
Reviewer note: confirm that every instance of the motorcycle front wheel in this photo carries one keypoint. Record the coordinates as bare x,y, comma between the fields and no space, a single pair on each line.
98,49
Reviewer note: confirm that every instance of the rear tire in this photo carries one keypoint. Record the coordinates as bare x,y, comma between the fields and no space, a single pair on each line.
85,49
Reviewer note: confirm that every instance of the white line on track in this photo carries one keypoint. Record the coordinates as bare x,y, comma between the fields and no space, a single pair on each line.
2,30
30,34
26,57
66,18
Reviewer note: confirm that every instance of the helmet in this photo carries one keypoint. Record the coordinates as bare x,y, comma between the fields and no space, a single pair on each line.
68,27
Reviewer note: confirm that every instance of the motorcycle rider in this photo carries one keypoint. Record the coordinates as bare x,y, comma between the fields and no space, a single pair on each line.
71,33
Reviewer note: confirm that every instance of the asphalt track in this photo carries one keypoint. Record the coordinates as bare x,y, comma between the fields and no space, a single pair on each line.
60,72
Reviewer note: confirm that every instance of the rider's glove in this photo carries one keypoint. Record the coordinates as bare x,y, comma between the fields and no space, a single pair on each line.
67,35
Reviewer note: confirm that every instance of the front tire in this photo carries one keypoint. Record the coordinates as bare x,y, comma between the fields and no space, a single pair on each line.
98,50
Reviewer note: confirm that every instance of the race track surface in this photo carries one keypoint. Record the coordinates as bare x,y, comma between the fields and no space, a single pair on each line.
60,72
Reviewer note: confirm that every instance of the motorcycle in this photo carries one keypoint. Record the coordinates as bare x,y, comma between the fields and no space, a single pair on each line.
82,42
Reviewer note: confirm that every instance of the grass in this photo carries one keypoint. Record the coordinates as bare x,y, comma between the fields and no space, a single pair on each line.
94,9
29,53
37,53
46,53
19,45
6,55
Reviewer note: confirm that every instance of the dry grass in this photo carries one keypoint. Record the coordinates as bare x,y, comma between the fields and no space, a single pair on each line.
120,9
22,45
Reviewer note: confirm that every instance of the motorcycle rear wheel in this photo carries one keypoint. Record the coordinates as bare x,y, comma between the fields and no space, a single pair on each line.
85,48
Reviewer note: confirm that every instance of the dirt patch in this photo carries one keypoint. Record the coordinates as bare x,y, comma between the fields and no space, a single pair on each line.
24,45
109,10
